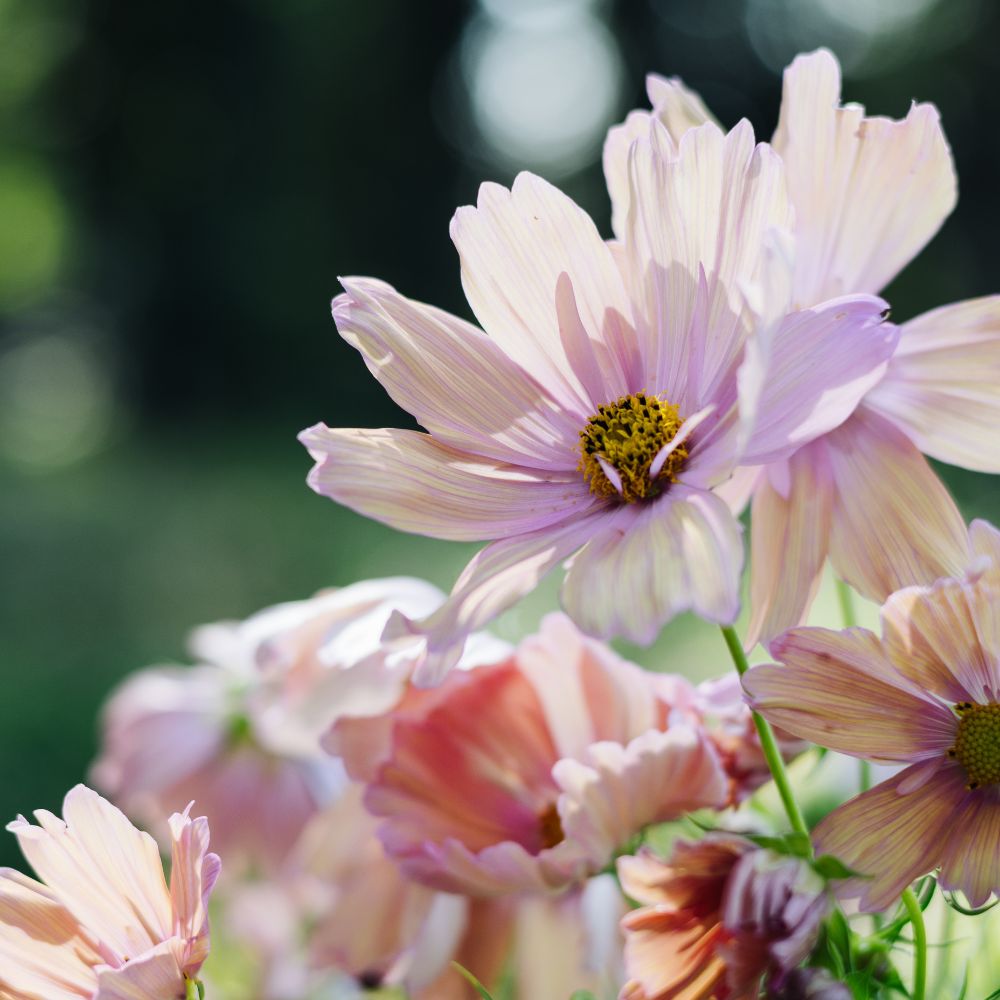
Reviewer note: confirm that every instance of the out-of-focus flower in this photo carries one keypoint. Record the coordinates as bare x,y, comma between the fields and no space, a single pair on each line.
530,774
718,916
104,925
927,695
607,397
868,194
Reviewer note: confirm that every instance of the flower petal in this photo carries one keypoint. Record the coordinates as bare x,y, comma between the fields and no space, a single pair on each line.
157,973
894,523
681,552
193,874
942,386
454,379
890,837
410,482
868,192
838,689
971,862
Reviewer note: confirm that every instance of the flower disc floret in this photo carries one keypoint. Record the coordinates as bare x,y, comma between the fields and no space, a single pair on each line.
977,743
623,440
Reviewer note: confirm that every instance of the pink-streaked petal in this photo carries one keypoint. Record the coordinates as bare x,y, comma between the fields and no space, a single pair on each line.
839,690
695,233
497,577
947,638
737,490
682,552
454,379
514,245
894,523
890,837
942,386
154,974
410,482
971,861
984,546
193,874
789,539
823,361
868,192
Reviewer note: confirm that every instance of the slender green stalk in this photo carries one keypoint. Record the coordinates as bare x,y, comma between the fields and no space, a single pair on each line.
916,916
846,598
767,741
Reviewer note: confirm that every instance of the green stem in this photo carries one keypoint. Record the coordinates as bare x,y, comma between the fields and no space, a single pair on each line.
767,741
193,989
846,598
916,916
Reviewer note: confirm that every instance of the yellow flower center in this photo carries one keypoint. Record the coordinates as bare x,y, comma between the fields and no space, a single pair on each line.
626,437
977,743
550,826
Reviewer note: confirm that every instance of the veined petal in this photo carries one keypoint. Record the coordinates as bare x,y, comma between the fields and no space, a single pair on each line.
789,540
942,386
193,873
514,245
154,974
676,106
454,379
869,193
410,482
839,690
892,837
679,553
971,861
894,523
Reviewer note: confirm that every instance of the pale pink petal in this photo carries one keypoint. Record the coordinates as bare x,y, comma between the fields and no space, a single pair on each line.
984,547
157,973
946,638
894,523
410,482
682,552
676,106
868,192
695,235
891,837
105,871
193,873
789,539
738,489
971,861
514,245
454,379
839,690
942,386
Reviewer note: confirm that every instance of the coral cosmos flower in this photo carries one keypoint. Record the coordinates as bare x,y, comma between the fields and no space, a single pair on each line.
718,916
104,925
529,774
600,407
868,194
927,695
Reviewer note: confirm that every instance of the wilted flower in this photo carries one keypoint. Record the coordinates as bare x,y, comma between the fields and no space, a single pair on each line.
868,194
605,400
927,695
104,925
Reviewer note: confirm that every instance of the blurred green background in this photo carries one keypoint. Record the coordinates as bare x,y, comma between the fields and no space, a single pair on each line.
180,185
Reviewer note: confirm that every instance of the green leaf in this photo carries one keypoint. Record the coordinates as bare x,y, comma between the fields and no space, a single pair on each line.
830,867
795,844
476,984
583,995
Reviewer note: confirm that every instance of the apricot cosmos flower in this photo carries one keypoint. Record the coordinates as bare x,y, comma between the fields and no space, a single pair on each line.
926,695
104,925
602,405
868,194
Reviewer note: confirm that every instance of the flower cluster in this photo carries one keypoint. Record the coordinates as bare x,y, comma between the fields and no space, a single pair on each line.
396,792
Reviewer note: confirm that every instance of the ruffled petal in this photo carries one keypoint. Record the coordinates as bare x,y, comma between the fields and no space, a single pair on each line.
942,386
154,974
789,540
454,379
193,874
894,523
839,690
410,482
652,561
892,837
971,861
514,245
868,192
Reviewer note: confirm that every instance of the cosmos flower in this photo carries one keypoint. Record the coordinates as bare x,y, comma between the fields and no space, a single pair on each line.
868,194
604,401
105,925
926,695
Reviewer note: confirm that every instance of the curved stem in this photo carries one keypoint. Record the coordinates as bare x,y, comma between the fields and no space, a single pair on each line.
916,916
768,743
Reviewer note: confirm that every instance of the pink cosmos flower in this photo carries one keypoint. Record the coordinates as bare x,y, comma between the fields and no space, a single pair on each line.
529,774
868,194
718,916
105,925
604,402
926,695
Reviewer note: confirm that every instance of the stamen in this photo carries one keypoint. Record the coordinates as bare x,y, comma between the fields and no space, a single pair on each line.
977,743
550,826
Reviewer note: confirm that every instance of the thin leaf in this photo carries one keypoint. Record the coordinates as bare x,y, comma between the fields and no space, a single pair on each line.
475,983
